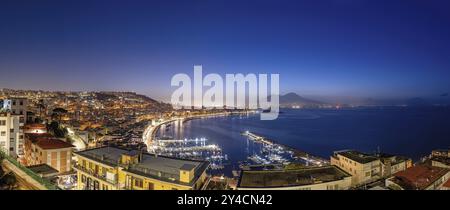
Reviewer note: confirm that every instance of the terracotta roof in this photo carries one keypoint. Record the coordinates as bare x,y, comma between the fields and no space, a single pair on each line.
419,177
35,126
47,141
52,143
33,137
447,184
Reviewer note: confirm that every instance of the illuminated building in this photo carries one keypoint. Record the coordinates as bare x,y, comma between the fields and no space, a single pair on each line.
363,167
43,148
11,134
419,177
110,168
35,128
16,106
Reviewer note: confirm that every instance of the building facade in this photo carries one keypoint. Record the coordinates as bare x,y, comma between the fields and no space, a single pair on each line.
110,168
43,148
419,177
391,164
364,168
16,106
11,134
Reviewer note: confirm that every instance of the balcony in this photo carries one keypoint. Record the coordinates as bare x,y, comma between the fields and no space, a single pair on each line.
96,175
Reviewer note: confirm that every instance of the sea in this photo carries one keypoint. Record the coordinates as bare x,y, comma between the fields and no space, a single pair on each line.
409,131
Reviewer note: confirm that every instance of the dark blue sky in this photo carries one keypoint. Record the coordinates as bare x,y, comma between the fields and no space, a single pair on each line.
325,48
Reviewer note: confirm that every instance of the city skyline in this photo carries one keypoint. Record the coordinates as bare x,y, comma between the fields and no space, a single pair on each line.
342,49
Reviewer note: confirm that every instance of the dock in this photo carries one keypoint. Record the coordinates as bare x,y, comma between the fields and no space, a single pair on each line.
308,158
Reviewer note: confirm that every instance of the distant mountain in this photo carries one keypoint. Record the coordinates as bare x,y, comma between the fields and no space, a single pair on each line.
292,99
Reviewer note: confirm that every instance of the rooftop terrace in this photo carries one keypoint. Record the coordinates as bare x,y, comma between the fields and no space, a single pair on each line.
357,156
158,167
290,178
418,177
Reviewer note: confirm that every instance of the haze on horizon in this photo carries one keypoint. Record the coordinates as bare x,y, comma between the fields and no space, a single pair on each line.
325,49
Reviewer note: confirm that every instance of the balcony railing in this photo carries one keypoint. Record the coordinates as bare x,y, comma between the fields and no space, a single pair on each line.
96,175
29,172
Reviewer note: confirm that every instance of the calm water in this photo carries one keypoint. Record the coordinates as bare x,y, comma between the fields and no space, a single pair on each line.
412,132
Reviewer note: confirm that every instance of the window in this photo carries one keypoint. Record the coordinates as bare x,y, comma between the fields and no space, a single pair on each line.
3,133
83,178
11,130
367,173
2,122
21,103
151,186
138,183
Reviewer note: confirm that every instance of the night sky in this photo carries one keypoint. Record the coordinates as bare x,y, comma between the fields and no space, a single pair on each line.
332,48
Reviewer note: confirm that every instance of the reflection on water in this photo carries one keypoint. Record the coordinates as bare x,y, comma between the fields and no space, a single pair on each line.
412,132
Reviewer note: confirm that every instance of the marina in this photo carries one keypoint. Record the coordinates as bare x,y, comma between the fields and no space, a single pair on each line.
275,153
167,138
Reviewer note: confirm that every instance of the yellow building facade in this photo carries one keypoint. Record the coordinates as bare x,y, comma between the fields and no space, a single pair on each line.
110,168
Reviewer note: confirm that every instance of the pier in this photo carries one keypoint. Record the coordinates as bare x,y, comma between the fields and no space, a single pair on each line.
308,158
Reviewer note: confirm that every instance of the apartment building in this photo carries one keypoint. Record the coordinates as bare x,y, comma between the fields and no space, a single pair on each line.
364,168
16,106
11,134
43,148
111,168
391,164
419,177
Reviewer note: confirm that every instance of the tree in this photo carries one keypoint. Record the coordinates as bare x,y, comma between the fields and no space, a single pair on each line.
56,129
59,112
7,181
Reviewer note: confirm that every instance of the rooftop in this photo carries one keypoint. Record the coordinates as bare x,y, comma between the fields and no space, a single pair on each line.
158,167
35,126
443,160
52,143
47,141
357,156
447,184
418,177
290,178
34,136
43,170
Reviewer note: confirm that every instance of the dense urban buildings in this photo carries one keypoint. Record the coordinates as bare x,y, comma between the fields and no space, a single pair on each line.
97,141
11,133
